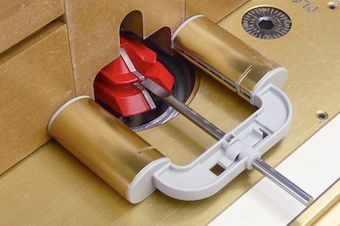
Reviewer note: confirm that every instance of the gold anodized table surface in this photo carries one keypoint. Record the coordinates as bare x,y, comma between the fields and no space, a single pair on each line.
51,187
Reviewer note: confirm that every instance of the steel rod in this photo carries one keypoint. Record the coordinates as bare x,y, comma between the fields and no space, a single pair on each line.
282,182
189,113
194,117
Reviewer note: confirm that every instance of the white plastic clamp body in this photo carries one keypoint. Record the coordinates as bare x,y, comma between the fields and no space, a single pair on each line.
234,153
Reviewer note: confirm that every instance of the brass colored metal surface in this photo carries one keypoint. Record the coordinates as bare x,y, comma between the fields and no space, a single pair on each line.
103,143
325,211
35,79
50,187
214,49
214,10
14,22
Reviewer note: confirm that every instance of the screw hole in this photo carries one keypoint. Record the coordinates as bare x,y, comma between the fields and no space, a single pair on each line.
322,115
266,23
332,5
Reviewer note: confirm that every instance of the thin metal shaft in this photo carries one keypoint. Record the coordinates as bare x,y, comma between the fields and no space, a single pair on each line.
282,181
190,114
194,117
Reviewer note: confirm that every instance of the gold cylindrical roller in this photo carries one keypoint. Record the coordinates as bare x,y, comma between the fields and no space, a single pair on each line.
225,57
102,142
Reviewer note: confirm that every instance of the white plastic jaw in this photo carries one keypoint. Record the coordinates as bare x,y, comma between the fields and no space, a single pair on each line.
233,154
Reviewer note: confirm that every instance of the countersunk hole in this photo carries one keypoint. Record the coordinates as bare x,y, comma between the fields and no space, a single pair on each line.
217,169
322,115
266,23
332,5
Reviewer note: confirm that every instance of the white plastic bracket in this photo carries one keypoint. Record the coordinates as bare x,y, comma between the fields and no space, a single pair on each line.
234,153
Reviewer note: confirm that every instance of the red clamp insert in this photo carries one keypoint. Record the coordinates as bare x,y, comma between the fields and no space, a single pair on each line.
115,86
